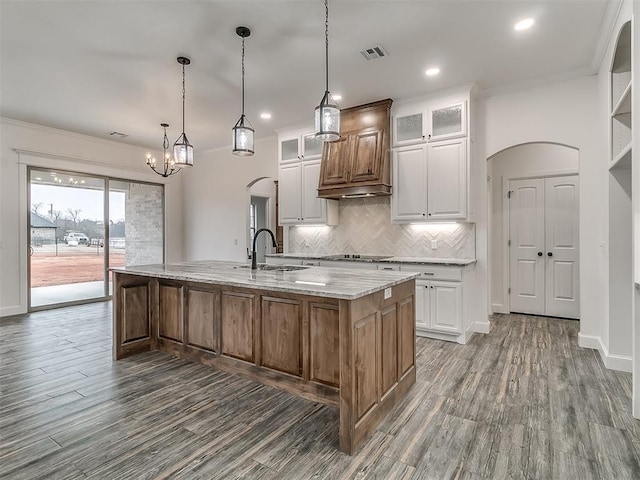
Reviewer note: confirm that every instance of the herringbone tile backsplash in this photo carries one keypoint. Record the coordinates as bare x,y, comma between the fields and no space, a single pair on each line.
365,228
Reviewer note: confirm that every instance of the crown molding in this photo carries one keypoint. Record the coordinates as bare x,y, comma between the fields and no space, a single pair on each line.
609,21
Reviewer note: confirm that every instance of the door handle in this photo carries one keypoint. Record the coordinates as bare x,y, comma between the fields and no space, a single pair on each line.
550,254
539,254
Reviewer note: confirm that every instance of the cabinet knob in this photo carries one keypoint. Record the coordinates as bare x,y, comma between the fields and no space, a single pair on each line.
550,254
539,254
423,214
429,214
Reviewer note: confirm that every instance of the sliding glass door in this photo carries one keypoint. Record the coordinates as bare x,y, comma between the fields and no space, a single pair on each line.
80,226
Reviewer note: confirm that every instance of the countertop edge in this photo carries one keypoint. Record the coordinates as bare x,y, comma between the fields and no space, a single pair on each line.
284,289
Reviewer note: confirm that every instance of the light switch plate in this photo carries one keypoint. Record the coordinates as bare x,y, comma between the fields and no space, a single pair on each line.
387,293
434,244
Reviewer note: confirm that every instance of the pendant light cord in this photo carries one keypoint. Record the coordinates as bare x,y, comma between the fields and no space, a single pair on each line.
183,96
326,42
243,76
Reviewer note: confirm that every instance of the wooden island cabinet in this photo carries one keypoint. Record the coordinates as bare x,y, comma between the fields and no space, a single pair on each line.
334,336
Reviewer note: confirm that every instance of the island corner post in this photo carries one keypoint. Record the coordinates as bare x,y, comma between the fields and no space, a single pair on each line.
355,354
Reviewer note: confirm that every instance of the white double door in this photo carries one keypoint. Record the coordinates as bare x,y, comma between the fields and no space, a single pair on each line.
543,251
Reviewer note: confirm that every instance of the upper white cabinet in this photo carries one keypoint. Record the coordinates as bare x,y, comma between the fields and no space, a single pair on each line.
429,121
447,120
299,202
430,182
447,180
299,145
299,172
430,160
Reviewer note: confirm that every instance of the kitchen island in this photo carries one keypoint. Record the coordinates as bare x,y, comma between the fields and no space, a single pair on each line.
341,337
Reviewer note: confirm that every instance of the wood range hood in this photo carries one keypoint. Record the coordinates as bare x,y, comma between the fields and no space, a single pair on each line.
358,164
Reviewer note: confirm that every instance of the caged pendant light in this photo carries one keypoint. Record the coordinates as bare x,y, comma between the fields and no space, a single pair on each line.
327,114
182,149
168,165
243,134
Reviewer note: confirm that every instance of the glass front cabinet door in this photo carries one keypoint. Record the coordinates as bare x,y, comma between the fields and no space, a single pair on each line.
447,121
409,128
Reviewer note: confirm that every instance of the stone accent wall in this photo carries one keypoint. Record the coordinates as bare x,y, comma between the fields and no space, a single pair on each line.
144,224
365,228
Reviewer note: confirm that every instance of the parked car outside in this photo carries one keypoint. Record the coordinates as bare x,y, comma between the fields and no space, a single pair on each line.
76,238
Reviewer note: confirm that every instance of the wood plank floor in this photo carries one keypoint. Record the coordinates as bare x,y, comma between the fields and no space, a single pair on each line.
522,402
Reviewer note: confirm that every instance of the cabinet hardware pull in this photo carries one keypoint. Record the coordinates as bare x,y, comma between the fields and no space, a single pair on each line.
550,254
428,273
539,254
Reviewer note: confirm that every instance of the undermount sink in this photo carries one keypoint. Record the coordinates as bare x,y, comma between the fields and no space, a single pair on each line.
277,268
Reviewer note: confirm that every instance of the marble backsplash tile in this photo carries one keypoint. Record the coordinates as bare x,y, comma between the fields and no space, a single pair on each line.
365,228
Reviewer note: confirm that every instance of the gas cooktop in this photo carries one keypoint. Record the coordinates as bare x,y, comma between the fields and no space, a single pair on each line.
355,256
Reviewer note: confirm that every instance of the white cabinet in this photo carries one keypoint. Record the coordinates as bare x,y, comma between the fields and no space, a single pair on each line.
299,173
429,121
439,301
447,180
430,182
299,202
299,145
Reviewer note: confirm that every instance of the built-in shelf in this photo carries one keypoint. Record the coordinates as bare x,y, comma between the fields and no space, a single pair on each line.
622,159
624,103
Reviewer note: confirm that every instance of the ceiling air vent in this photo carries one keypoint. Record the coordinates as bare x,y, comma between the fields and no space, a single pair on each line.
117,134
376,51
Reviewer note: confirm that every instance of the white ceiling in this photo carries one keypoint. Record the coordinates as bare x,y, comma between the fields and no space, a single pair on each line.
96,66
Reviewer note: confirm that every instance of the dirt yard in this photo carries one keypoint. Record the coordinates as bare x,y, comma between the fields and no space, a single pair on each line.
74,267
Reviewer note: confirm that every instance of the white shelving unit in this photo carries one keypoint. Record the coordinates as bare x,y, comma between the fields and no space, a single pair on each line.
621,87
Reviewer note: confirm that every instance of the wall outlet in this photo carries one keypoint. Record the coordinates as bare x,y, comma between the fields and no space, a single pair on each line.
434,244
387,293
306,243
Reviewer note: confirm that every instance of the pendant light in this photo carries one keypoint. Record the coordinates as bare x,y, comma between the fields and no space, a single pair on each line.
169,166
182,149
327,115
242,134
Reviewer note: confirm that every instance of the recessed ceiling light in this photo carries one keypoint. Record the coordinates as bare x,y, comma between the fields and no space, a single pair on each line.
265,116
337,98
524,24
432,71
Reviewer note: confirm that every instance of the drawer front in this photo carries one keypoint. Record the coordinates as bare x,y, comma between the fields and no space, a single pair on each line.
435,272
389,266
348,264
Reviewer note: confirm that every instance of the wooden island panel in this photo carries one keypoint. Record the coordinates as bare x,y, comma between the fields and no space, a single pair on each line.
132,310
324,344
171,320
356,354
238,325
201,325
389,349
281,336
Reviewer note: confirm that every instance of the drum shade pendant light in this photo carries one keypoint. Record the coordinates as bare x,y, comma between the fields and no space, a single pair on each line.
327,113
168,165
182,149
243,134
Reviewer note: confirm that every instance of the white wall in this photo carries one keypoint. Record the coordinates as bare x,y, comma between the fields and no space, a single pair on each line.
50,148
529,160
216,201
565,113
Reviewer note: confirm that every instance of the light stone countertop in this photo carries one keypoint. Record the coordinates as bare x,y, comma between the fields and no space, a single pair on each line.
389,259
339,283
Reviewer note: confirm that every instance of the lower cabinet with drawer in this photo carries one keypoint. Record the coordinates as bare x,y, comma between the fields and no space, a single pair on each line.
439,302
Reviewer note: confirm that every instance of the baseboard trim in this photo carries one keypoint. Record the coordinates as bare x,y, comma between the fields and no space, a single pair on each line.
611,361
13,310
481,327
499,308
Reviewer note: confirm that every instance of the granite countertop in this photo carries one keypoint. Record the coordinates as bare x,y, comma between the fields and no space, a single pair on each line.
390,259
340,283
